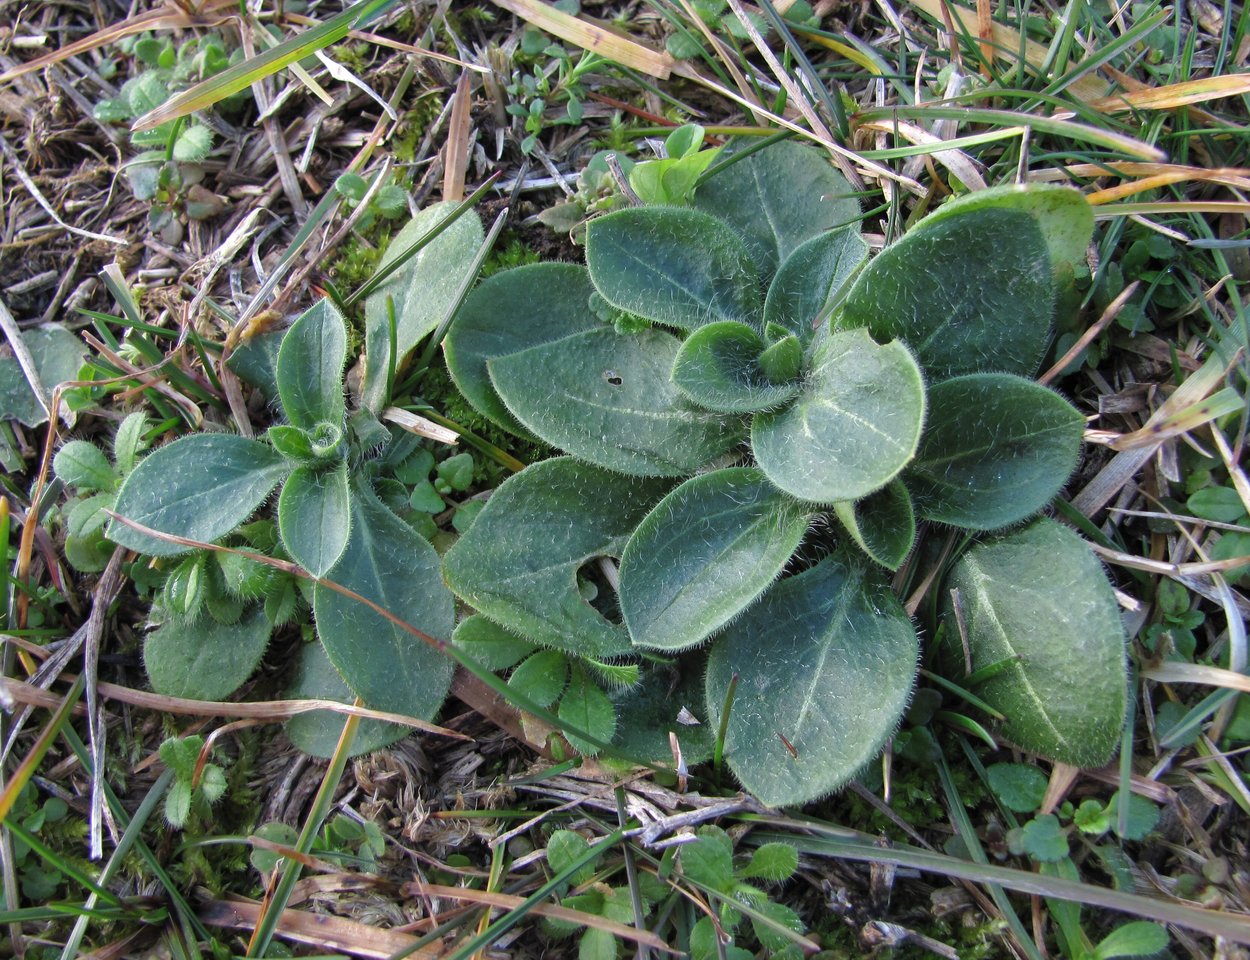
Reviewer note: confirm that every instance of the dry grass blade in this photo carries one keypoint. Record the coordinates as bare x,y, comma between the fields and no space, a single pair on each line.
1173,95
1135,187
1124,466
1238,177
507,902
171,16
459,131
1061,128
869,166
419,425
270,710
330,933
1173,207
954,160
1218,404
592,36
26,769
1198,673
1216,923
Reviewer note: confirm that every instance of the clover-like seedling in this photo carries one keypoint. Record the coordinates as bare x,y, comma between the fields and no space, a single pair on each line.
193,784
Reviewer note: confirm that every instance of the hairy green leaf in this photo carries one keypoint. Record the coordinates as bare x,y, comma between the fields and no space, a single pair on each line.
882,523
518,563
193,144
490,644
388,563
542,677
1062,214
607,399
200,487
57,355
996,449
81,464
718,367
778,199
704,554
510,312
853,428
1037,603
967,293
128,442
825,660
1018,786
204,659
675,266
586,707
314,516
811,276
422,291
310,364
317,733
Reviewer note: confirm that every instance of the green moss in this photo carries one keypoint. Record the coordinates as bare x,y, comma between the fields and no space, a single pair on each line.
412,126
511,252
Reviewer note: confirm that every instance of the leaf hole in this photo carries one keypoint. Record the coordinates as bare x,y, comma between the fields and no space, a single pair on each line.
612,377
595,589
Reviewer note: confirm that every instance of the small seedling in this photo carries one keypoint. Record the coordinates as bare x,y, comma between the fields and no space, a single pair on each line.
194,787
1047,840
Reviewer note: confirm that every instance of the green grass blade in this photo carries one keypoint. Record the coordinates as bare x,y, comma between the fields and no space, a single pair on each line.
271,912
241,76
1211,922
385,272
26,769
128,840
522,910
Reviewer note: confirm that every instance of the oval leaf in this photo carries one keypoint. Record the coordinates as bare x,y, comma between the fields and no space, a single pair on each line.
490,644
1038,605
704,554
826,660
82,464
200,487
973,291
718,367
204,659
778,198
518,563
387,562
853,428
883,524
607,399
57,355
309,370
811,277
1062,213
422,291
317,733
314,517
510,312
675,266
586,708
996,449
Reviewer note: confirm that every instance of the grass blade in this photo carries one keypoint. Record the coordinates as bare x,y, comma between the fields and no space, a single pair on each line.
241,76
